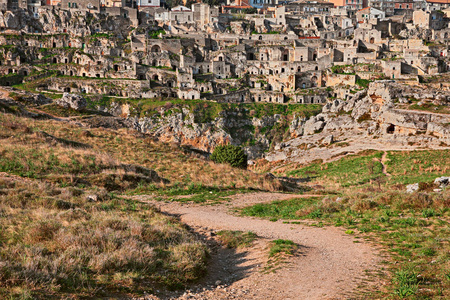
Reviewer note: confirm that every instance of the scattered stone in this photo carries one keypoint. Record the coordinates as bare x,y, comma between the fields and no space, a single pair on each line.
92,198
73,101
100,195
411,188
442,181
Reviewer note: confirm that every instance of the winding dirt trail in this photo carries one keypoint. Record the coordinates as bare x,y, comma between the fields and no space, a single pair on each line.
329,265
383,163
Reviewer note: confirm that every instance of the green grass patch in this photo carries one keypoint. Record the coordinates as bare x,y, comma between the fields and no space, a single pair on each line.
282,247
286,209
408,167
348,171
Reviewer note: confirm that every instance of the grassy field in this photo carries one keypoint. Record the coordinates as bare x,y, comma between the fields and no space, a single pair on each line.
412,227
69,230
353,170
365,169
417,166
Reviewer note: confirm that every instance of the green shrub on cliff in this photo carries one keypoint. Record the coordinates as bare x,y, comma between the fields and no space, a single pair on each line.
233,155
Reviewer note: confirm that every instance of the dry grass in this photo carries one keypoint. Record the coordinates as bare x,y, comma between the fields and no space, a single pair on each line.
110,147
57,242
53,242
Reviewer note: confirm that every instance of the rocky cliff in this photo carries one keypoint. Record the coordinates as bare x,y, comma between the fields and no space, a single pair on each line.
375,118
203,126
370,119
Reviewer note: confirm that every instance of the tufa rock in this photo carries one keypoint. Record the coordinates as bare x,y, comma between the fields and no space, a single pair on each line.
73,101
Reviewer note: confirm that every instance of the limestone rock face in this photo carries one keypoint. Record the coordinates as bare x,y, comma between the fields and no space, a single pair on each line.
73,101
11,20
375,118
334,106
181,126
328,140
374,111
296,126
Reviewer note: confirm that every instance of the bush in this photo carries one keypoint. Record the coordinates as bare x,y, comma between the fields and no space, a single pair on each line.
233,155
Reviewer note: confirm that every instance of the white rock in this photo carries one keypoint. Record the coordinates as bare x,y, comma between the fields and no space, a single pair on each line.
411,188
73,101
442,181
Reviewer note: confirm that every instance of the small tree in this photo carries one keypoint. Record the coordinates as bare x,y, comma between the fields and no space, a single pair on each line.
233,155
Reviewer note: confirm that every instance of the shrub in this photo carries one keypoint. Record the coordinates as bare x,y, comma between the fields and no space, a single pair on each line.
233,155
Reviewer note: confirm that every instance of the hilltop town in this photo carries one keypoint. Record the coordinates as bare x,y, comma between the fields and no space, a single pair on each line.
318,133
295,52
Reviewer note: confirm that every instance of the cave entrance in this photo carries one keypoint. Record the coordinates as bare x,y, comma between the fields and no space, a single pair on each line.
390,129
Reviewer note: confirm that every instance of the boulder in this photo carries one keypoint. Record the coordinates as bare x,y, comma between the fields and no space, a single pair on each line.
442,181
73,101
314,124
403,100
279,146
411,188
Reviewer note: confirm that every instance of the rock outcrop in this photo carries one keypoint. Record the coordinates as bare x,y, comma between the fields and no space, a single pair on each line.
72,101
368,119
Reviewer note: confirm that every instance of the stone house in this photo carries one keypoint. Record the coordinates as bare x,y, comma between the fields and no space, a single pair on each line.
436,5
201,13
429,20
305,6
392,69
82,5
349,4
148,3
369,13
181,15
188,94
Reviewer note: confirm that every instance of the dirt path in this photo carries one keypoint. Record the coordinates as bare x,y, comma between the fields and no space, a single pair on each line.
445,115
383,163
329,265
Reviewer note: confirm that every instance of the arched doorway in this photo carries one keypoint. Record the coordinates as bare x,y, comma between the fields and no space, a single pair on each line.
156,49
